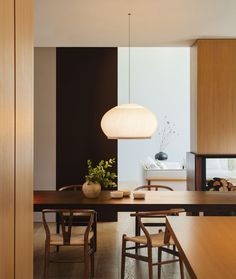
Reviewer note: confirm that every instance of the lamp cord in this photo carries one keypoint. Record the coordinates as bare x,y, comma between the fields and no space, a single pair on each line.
129,14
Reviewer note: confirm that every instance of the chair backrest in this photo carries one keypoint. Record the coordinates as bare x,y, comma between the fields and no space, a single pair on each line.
154,214
71,188
66,217
153,188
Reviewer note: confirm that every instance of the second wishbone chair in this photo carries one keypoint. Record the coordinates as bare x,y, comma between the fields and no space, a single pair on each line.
161,222
150,241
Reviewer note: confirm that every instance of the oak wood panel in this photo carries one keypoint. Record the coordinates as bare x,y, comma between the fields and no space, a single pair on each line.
159,200
202,240
7,139
216,97
193,98
24,140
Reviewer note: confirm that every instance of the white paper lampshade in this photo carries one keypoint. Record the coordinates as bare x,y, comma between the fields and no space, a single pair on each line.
129,121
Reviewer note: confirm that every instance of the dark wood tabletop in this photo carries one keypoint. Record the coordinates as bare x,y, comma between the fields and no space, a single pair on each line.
189,200
206,245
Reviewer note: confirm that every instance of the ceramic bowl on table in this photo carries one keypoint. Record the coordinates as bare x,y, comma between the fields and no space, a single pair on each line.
139,195
126,193
116,194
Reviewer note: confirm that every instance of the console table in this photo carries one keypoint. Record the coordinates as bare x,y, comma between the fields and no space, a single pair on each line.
175,178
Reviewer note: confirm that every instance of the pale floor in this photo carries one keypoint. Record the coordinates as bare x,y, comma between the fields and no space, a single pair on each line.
107,257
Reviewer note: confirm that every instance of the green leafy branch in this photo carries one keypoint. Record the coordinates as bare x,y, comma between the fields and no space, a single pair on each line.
102,173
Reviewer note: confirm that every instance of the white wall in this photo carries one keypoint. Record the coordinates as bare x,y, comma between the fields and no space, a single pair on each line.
44,120
160,80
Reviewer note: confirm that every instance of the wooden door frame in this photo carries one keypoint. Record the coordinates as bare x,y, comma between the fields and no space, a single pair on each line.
16,139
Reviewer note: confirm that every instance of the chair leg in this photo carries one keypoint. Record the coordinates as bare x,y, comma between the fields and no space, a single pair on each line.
95,237
181,268
46,260
92,264
58,231
150,266
86,263
137,233
123,257
159,261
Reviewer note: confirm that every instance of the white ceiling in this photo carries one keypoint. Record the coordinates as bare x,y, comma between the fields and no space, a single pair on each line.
154,22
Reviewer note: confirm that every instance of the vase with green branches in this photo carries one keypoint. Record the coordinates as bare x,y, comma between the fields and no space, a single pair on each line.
98,175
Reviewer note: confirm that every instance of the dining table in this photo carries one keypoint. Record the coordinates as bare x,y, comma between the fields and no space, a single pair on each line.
206,244
191,201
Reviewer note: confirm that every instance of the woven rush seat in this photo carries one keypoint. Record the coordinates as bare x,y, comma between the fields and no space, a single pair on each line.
76,239
157,240
79,219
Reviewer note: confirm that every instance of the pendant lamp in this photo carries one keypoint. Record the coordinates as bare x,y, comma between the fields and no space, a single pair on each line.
129,121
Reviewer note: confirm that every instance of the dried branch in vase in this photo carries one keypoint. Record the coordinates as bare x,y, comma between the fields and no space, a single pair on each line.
166,133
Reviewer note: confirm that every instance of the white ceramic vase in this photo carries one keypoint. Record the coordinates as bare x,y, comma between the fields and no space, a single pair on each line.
91,190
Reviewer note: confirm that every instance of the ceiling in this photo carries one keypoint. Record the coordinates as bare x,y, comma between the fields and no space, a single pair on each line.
153,22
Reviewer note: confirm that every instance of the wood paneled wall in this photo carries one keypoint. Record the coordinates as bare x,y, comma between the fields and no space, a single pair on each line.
7,139
213,97
24,139
193,98
16,139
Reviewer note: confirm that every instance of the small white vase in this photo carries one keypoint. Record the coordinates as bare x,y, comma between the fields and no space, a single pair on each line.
91,190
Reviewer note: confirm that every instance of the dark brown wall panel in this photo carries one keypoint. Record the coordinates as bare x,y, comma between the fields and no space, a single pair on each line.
86,89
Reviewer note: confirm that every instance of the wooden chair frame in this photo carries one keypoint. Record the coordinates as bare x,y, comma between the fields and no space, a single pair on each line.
148,258
160,224
71,187
150,187
67,224
79,222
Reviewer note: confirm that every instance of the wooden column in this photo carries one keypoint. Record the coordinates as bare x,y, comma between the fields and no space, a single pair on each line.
24,139
7,139
212,106
16,140
213,97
